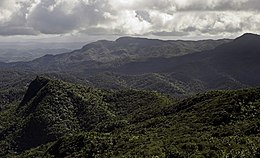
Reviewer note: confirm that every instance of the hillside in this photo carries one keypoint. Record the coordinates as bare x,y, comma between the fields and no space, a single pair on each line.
105,54
162,83
13,84
170,67
60,119
51,109
228,66
100,62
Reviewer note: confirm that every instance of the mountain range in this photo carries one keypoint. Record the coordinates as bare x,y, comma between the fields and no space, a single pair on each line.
171,67
104,54
134,97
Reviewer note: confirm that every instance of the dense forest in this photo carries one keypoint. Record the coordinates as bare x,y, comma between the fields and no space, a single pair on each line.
134,97
60,119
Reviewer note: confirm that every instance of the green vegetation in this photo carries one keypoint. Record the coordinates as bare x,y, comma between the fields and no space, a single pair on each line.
153,82
59,119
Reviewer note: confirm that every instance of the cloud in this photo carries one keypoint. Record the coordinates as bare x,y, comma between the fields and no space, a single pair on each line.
52,17
129,17
143,15
6,9
164,33
9,31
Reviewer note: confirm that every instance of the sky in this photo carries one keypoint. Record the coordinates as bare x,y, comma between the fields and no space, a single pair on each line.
89,20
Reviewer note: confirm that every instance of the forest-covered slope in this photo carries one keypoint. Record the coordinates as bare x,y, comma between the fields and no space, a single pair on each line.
59,119
52,108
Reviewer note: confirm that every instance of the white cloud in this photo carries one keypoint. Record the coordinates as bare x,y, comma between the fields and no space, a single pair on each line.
131,17
7,7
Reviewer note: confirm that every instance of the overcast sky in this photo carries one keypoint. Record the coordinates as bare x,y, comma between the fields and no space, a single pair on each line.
86,20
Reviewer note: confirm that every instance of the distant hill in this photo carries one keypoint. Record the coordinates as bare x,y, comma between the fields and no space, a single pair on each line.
233,64
59,119
96,58
104,54
170,67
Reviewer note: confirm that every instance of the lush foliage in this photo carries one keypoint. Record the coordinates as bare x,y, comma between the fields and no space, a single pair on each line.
59,119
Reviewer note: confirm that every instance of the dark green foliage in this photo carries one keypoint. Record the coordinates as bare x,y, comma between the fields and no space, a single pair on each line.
51,109
66,120
154,82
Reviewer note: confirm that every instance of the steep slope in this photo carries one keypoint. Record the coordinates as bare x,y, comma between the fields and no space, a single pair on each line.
13,84
214,124
240,59
51,109
12,87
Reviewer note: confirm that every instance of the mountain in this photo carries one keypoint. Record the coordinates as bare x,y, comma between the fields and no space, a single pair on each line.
52,108
13,84
130,48
104,54
234,64
60,119
170,67
95,59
